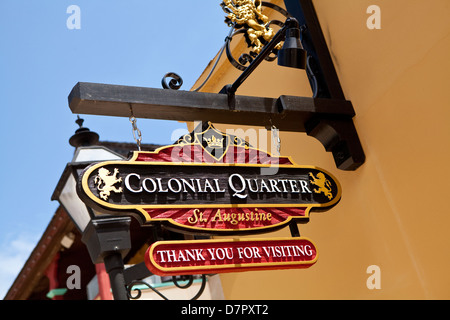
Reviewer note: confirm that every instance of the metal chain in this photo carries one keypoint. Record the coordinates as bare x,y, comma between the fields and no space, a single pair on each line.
276,138
136,132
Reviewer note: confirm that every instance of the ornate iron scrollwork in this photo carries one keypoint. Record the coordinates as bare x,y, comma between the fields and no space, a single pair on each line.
175,82
190,281
239,27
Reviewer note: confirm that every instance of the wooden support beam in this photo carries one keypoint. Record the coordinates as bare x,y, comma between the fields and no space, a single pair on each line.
328,120
287,113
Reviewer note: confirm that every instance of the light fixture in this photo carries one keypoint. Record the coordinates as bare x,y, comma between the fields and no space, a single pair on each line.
107,237
292,53
86,153
65,191
83,136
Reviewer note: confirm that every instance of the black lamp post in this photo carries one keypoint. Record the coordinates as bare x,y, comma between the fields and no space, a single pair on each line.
106,237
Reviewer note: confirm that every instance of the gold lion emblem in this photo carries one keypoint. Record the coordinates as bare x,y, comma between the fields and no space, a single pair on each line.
249,12
323,184
105,182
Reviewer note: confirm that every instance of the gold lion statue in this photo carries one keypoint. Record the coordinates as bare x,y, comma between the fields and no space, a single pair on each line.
248,12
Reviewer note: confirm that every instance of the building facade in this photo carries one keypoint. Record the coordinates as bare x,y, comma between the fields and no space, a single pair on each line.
392,219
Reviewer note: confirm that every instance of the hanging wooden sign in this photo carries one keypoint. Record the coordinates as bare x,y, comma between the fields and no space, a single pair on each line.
209,181
186,257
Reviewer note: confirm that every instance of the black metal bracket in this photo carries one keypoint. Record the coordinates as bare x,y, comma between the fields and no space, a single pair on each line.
327,116
134,278
336,132
325,82
230,90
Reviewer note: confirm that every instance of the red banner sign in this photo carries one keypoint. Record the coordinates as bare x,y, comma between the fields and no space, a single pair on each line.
166,258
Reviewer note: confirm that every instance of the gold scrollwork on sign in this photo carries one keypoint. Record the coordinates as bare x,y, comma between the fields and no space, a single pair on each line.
240,142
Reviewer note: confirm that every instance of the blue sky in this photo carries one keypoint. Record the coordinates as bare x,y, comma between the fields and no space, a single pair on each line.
132,42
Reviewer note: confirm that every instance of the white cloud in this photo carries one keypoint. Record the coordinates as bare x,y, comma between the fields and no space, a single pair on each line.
13,254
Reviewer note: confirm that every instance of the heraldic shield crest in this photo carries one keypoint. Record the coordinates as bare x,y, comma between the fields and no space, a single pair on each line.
213,141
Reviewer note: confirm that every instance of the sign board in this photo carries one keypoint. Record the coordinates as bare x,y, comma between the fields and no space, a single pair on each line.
209,181
167,258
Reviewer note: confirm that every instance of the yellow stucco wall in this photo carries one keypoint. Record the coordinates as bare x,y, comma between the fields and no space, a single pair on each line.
394,211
